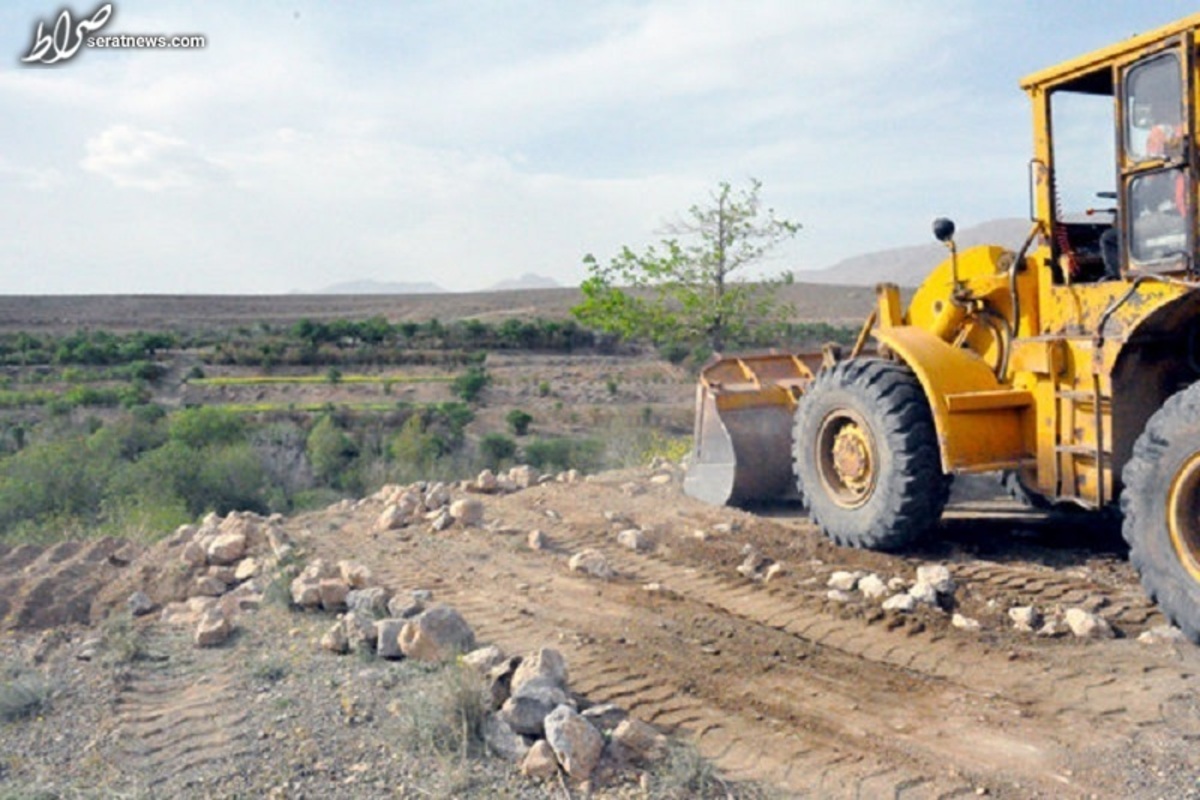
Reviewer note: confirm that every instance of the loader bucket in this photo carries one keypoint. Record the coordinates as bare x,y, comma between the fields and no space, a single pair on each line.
743,432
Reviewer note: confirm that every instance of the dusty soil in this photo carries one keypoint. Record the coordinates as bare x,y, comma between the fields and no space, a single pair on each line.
775,682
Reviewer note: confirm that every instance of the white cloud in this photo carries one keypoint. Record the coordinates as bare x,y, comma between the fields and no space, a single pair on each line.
148,160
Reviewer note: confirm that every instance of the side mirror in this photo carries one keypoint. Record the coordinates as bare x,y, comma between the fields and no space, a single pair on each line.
943,229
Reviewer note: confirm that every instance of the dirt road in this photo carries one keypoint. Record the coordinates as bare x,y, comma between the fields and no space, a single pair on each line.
825,699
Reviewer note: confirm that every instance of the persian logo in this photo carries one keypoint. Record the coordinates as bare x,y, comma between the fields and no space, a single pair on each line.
66,37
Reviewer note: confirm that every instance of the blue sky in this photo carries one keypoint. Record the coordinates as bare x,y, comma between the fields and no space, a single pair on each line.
467,142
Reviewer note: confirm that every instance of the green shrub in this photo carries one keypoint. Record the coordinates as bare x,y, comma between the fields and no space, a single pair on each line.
564,453
471,384
205,425
543,389
495,449
22,696
330,451
518,421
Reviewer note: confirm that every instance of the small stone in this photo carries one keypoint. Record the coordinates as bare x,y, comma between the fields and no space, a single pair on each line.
484,659
872,586
924,593
897,585
333,593
499,681
246,569
335,640
725,528
193,554
839,596
540,762
537,540
437,634
1087,625
306,591
844,581
214,629
900,602
526,709
1025,618
486,481
634,539
227,548
644,742
964,623
1053,627
576,742
393,517
372,601
618,518
208,586
442,520
591,562
139,604
438,496
502,740
938,576
387,637
361,632
774,571
546,664
524,476
1162,634
405,607
632,489
606,716
467,511
354,574
224,573
660,480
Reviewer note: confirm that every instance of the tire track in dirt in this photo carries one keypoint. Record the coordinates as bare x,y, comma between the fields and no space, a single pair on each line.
47,587
178,715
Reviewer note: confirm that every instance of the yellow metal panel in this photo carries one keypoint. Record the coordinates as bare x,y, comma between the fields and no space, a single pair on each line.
988,401
968,440
891,312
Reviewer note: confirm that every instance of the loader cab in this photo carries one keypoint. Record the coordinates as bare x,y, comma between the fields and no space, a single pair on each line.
1113,175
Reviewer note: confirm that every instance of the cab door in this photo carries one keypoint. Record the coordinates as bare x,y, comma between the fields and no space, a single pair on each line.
1156,123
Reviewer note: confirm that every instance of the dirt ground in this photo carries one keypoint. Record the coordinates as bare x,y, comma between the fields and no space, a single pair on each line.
774,681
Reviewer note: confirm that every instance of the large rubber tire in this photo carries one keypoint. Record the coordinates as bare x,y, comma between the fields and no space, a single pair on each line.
1161,503
875,411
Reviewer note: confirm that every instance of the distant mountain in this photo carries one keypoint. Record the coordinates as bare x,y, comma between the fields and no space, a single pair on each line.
908,266
527,281
382,287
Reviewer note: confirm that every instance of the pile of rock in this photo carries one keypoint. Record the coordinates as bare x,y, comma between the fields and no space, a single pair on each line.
933,588
536,722
757,567
396,627
226,559
1079,622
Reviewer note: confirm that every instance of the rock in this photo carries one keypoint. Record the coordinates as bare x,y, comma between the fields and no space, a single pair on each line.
214,629
937,576
538,540
442,520
774,571
404,607
437,634
540,762
387,637
333,593
1025,618
897,585
182,535
964,623
633,539
924,593
139,604
1162,634
438,496
224,573
484,659
872,586
523,476
335,640
660,480
632,489
591,562
246,569
618,518
421,595
725,528
526,709
208,586
1087,625
89,649
605,717
502,740
306,591
227,548
576,742
571,476
372,602
644,742
900,602
547,664
361,632
277,539
1053,627
354,574
499,681
754,564
193,555
393,517
467,511
486,481
839,596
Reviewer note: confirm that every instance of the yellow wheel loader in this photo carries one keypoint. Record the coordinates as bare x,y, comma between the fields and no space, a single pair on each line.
1071,365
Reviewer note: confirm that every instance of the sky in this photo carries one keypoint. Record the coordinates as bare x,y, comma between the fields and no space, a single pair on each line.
462,143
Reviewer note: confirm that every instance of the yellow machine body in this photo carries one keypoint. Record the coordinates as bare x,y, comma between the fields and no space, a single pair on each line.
1030,361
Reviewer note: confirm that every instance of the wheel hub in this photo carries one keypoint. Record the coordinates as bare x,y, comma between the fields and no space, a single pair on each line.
846,458
1183,515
